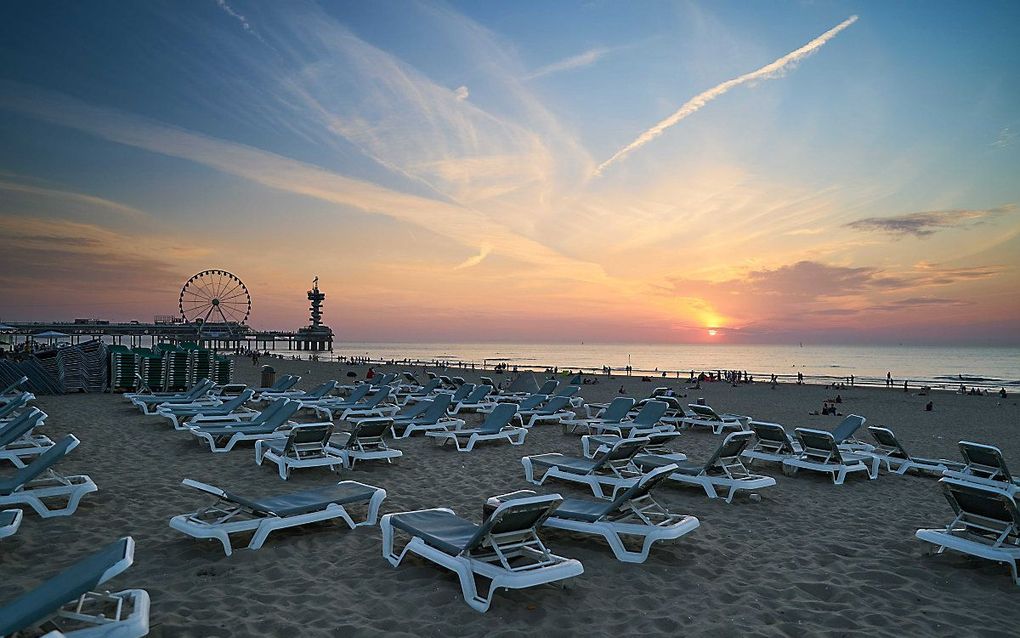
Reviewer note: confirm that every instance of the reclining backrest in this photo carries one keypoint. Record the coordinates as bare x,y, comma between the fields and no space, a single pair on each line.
286,409
428,388
647,483
731,447
704,412
555,405
20,426
499,417
568,391
774,434
622,451
617,409
12,406
39,465
847,428
378,395
412,410
367,432
479,393
488,381
291,381
358,393
199,390
981,504
650,414
306,436
237,401
462,392
84,576
321,391
525,382
819,443
533,401
985,461
549,386
14,386
519,516
887,441
437,409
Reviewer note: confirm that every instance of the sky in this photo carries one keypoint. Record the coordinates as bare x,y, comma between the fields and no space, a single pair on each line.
654,172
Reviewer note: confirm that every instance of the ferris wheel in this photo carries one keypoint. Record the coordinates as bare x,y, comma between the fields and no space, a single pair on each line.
215,297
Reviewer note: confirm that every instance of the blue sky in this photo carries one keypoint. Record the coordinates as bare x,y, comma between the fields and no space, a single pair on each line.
422,157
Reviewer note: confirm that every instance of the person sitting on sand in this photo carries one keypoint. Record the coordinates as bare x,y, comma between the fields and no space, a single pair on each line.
929,407
622,390
1002,392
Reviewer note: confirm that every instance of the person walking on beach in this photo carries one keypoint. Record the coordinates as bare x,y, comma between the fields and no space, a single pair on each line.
800,378
888,379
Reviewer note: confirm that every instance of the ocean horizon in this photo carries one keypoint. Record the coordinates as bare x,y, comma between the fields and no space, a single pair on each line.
937,366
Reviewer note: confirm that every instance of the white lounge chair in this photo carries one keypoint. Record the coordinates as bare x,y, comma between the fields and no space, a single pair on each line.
552,412
233,409
896,458
17,441
648,419
328,407
986,525
69,602
39,486
375,405
821,453
474,401
273,422
771,443
705,416
305,446
634,513
496,427
722,471
616,411
366,441
658,444
985,465
198,395
433,417
504,549
609,469
235,514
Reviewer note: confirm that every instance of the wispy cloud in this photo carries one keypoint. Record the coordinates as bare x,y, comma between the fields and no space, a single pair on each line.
1005,139
769,71
222,4
926,223
589,57
474,260
81,198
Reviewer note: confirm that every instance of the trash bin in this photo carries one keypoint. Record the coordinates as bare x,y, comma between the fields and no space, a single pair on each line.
268,376
701,400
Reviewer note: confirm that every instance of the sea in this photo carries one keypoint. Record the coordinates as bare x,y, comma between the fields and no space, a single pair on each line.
935,366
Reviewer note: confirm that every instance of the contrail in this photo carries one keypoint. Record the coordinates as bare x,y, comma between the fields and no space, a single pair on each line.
769,71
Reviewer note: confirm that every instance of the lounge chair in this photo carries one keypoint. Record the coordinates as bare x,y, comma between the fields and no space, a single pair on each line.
17,442
985,465
821,453
366,441
647,420
898,460
504,549
987,524
433,417
723,470
10,409
197,395
633,513
320,392
305,446
38,484
179,414
327,407
658,444
524,385
771,443
284,383
287,390
526,403
68,601
422,393
12,390
375,405
474,401
273,422
552,412
496,427
613,413
10,521
234,514
844,433
705,416
549,387
611,468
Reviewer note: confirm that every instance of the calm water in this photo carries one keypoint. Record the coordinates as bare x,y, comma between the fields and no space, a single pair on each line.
932,365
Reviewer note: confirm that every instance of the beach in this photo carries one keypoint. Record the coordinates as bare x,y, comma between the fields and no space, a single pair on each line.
809,558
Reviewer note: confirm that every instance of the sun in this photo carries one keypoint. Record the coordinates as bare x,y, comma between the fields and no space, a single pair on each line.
713,333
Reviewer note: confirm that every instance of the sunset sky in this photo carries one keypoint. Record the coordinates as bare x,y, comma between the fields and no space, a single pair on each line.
825,172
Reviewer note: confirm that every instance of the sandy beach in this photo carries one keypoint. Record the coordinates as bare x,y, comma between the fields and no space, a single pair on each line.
810,558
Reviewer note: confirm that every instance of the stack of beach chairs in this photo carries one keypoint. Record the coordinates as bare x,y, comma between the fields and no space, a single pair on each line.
77,368
200,364
150,367
175,370
222,370
123,368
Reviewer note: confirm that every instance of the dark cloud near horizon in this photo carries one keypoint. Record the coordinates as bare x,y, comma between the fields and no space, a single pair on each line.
927,223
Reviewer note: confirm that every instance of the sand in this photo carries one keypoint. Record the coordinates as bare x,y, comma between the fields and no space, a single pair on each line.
810,558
